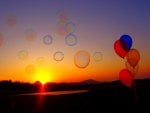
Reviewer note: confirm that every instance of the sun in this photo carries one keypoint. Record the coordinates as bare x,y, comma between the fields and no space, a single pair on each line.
43,75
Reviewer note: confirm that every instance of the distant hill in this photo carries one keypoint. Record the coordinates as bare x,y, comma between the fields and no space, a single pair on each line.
89,82
10,87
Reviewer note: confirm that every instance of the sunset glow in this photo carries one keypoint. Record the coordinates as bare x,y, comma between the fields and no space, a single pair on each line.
65,41
43,75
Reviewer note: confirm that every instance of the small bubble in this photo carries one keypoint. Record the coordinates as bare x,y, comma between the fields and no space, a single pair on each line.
47,39
23,54
30,35
40,60
70,27
30,69
97,56
11,20
1,39
71,40
58,56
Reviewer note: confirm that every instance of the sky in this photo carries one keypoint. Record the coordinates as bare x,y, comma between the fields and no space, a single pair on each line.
35,39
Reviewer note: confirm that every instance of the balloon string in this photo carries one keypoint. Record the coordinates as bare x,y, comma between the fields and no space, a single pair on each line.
135,92
135,96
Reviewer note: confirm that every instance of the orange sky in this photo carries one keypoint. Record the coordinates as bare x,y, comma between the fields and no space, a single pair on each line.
25,57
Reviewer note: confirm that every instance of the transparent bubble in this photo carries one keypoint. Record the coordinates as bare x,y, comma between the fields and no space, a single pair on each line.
23,54
30,35
82,59
62,15
134,70
40,60
58,56
70,27
1,39
61,29
11,20
97,56
47,39
64,26
71,40
30,69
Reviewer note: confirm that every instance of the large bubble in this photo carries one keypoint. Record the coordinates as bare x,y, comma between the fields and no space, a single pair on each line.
23,54
1,39
82,59
30,35
30,69
47,39
97,56
58,56
71,40
11,20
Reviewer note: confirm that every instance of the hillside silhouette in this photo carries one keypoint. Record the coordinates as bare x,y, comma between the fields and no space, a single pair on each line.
102,97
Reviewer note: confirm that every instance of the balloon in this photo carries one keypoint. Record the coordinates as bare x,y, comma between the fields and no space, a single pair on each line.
127,41
133,57
133,70
119,48
126,77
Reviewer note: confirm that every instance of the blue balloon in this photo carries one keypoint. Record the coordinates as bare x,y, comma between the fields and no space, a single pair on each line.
127,40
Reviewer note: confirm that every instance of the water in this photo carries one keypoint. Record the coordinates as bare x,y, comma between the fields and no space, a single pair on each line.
54,93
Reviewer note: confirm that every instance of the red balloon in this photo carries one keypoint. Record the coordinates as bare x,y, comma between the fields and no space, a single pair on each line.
126,77
120,48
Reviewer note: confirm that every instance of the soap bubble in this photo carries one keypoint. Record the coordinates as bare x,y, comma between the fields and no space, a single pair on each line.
70,27
30,69
11,20
47,39
97,56
1,39
62,15
23,54
61,29
40,60
71,40
58,56
30,35
64,27
82,59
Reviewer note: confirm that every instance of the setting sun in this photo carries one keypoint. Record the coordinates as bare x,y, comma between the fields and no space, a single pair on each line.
43,75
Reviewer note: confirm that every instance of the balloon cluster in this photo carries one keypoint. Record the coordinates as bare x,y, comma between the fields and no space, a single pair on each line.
123,48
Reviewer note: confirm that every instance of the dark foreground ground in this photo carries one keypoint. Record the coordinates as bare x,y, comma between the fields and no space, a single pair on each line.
105,99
